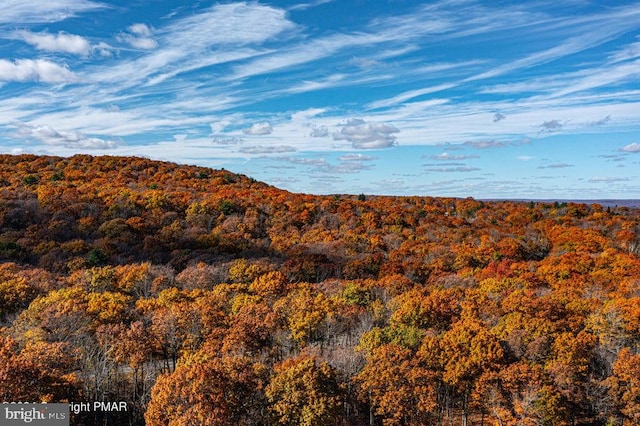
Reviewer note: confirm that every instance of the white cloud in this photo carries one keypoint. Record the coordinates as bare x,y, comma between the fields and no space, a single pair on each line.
604,28
447,164
445,156
551,126
191,104
485,144
305,161
68,139
235,24
632,147
598,77
607,179
62,42
310,86
319,132
304,53
402,97
631,51
600,122
219,126
261,149
258,129
348,167
103,49
39,70
39,11
143,43
219,140
141,30
556,166
357,157
217,35
305,6
459,169
562,84
139,37
363,135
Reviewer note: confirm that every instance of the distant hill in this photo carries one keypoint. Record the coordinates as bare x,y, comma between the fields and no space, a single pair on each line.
604,202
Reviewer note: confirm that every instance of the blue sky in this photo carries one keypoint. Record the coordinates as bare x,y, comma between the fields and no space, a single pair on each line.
492,99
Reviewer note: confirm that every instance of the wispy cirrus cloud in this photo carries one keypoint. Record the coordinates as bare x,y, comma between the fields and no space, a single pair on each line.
447,164
305,6
456,169
393,30
485,144
604,27
608,179
419,74
601,122
42,11
556,166
268,149
445,156
628,52
304,161
215,36
620,68
409,95
357,157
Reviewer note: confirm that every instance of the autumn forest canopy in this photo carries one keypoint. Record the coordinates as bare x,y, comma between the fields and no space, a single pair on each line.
200,296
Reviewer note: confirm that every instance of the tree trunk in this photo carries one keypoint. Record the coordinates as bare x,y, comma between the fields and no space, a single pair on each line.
465,409
371,418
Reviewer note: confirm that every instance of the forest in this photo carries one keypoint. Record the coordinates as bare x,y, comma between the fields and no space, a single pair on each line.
203,297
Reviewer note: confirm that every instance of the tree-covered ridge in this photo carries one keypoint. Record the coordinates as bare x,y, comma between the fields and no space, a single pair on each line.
204,297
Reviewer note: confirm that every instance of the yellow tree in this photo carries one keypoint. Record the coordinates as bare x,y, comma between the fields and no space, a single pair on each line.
305,310
304,392
468,350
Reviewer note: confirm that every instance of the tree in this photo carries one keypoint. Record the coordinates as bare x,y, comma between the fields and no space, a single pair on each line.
15,295
40,371
304,392
209,392
131,346
305,311
468,351
399,387
251,329
624,387
570,369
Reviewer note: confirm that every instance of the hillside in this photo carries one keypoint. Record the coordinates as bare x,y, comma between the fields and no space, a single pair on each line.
204,297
